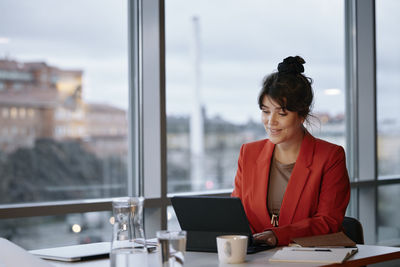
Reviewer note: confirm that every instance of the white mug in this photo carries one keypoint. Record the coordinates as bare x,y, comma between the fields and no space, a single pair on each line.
232,248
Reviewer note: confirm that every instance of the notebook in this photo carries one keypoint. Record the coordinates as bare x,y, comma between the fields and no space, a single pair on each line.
338,239
204,218
321,255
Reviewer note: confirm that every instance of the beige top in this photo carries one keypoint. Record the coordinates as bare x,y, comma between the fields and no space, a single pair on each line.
279,176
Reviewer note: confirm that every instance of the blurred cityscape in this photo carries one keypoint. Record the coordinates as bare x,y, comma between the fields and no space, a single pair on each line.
67,148
53,144
56,146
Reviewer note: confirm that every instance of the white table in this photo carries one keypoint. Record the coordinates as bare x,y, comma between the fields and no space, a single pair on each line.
366,255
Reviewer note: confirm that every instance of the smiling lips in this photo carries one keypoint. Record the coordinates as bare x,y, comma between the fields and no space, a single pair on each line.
274,131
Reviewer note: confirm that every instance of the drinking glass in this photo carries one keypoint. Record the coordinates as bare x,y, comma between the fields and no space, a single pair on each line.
172,246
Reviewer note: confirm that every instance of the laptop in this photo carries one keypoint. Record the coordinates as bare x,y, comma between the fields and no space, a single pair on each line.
204,218
75,253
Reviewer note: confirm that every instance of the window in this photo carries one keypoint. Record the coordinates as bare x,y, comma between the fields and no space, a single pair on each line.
388,122
14,112
388,82
70,56
22,113
388,215
5,112
217,53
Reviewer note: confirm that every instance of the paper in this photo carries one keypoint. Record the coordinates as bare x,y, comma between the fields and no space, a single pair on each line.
313,255
330,240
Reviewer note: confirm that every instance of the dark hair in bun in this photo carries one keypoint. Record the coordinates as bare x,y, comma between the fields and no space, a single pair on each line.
291,65
289,87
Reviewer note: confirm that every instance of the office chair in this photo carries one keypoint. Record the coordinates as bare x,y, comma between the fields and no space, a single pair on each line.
353,229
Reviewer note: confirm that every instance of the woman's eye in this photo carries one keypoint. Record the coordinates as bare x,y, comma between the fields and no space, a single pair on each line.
283,114
266,111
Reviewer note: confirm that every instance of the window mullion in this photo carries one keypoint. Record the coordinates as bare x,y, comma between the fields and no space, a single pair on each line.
365,93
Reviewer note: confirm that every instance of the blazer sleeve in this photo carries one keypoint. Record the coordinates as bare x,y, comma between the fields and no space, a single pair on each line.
332,203
237,191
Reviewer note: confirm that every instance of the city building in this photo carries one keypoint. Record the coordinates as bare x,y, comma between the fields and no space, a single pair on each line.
42,101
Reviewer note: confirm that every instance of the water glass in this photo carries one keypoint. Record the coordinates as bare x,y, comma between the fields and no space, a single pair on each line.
172,245
128,246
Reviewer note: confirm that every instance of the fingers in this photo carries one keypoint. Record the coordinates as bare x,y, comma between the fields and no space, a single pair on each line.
266,237
271,241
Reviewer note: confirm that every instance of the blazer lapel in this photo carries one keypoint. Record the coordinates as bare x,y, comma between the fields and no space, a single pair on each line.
297,180
261,183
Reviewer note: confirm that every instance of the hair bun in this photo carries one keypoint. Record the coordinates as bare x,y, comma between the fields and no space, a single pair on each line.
292,65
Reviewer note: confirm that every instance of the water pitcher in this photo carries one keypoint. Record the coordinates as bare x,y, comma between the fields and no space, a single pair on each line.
128,246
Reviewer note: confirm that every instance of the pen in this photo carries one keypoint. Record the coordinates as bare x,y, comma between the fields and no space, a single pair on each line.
317,249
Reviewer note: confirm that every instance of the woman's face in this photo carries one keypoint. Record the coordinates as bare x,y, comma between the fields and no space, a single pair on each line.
282,126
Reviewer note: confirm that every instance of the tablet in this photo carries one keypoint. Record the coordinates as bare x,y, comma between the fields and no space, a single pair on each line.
204,218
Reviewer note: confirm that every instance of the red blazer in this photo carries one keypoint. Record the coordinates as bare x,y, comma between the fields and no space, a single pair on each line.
316,196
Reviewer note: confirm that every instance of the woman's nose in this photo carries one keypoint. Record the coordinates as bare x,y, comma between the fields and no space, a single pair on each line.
272,119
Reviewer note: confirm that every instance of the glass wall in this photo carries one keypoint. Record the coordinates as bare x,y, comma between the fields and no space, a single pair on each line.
388,85
388,215
388,121
63,101
217,53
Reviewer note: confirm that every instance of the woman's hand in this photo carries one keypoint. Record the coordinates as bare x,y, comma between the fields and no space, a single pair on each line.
267,237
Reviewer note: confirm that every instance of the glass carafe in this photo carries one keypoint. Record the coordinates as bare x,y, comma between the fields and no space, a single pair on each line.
128,246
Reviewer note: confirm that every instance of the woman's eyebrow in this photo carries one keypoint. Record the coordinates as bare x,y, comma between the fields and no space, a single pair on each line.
276,108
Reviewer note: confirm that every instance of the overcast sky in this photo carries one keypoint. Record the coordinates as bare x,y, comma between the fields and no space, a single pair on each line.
241,42
90,35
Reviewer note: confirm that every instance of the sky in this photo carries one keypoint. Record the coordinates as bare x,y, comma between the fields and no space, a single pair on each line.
89,35
239,46
241,41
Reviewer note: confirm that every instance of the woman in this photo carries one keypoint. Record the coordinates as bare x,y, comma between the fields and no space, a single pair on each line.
292,184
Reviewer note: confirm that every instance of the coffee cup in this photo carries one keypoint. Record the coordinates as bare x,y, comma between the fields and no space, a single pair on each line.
232,248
